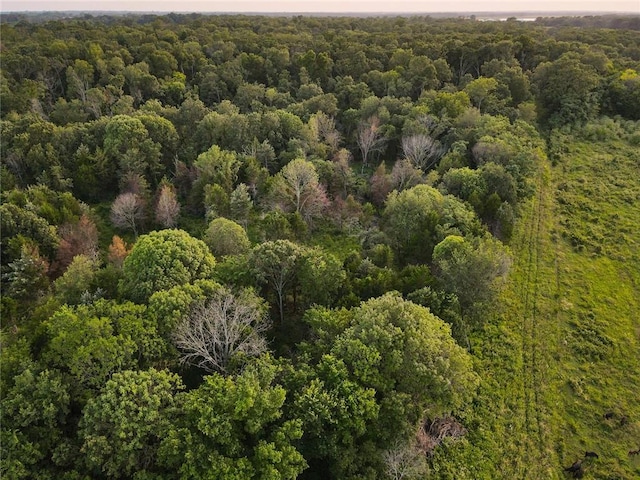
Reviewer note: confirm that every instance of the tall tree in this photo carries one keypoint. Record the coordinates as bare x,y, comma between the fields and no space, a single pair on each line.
226,237
473,270
233,428
277,264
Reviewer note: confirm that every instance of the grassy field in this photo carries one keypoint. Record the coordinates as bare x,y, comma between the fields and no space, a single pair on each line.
564,349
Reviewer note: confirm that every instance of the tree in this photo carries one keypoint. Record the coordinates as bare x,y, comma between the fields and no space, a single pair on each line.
623,94
122,429
128,144
233,428
336,412
397,348
405,175
380,185
226,237
79,79
379,369
118,251
298,189
565,90
321,276
163,259
219,167
79,238
218,335
369,138
405,462
34,411
418,218
240,204
480,89
277,264
421,150
167,207
472,270
86,347
171,306
27,276
21,226
76,280
127,211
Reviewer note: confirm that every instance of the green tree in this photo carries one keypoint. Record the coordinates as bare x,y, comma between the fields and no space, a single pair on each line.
240,205
161,260
21,226
226,237
232,428
418,218
122,429
408,344
76,280
128,144
565,90
277,265
86,347
336,412
472,270
219,167
79,79
321,276
170,306
26,277
34,412
480,89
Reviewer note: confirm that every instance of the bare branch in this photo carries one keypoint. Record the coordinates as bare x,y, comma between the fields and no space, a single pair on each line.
127,210
422,150
223,328
370,139
167,208
405,462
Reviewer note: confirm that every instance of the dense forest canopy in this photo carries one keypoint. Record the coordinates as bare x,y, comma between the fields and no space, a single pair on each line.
266,247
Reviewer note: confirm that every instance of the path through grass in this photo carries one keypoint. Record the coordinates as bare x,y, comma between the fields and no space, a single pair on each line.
564,348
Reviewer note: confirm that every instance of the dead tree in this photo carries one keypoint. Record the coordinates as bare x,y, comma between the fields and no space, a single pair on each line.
221,330
370,139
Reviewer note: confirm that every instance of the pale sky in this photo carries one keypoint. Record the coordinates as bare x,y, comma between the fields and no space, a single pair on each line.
629,6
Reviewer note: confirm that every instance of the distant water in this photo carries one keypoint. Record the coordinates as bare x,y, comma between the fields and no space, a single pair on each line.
504,19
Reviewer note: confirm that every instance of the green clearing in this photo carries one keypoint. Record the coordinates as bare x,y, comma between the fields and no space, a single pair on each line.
565,348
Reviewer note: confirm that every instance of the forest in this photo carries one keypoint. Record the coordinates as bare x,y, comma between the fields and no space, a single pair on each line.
243,247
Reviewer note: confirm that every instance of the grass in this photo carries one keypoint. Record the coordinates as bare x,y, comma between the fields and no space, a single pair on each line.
563,347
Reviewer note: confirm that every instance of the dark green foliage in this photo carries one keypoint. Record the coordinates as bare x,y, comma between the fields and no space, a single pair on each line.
34,414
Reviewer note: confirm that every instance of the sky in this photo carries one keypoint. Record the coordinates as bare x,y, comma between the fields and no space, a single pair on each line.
629,6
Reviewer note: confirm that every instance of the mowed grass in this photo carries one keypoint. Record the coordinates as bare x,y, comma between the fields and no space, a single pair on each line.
563,346
597,237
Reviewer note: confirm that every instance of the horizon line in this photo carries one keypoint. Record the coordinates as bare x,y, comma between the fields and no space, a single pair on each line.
318,11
